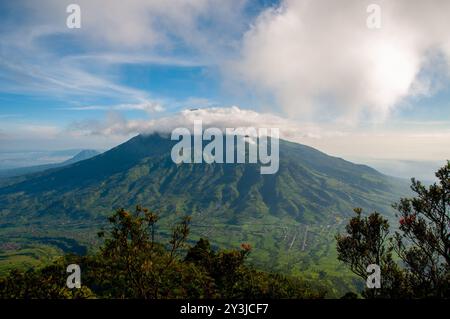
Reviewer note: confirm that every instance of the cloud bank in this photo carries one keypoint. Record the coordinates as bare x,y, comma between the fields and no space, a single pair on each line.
426,143
319,60
218,117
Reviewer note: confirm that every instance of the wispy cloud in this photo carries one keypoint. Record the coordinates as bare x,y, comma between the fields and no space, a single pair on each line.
33,59
135,58
7,116
146,106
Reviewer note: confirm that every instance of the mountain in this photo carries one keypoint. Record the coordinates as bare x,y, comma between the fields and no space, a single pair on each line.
309,186
82,155
290,217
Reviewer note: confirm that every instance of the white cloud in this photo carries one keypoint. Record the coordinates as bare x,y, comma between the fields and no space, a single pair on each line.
35,56
317,58
37,136
366,142
112,58
220,117
320,61
146,106
130,26
40,56
33,71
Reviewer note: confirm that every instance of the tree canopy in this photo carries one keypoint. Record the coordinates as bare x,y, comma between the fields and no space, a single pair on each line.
415,261
131,264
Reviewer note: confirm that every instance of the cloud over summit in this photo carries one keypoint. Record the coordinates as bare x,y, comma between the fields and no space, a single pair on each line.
218,117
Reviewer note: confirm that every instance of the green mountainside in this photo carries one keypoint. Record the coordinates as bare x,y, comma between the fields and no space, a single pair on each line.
290,218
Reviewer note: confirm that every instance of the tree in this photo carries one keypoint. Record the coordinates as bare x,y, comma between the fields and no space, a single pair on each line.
366,243
422,244
46,283
424,241
131,264
145,268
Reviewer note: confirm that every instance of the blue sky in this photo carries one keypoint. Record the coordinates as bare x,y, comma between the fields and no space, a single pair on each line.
316,64
33,81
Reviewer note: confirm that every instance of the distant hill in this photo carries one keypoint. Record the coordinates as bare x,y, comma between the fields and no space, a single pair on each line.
83,155
290,218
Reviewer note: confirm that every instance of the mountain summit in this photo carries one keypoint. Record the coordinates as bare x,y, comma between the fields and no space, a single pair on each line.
310,186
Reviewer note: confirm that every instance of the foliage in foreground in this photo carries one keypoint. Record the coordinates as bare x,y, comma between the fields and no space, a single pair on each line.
131,264
422,245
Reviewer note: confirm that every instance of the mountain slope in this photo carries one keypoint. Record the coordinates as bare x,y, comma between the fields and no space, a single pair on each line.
309,186
290,218
81,156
